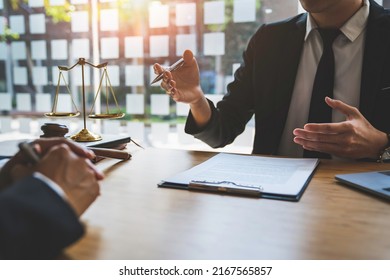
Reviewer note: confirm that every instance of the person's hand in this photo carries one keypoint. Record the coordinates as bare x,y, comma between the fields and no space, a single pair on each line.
75,174
19,166
183,84
353,138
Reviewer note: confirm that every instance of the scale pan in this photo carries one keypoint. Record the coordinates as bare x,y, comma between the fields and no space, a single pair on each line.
107,116
62,114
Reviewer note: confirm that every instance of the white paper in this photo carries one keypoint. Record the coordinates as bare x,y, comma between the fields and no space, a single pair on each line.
186,14
39,75
134,75
214,12
59,49
18,50
244,10
109,20
134,47
184,42
158,15
23,102
16,24
80,21
135,104
38,50
5,102
380,2
109,48
159,104
285,176
214,43
159,46
37,24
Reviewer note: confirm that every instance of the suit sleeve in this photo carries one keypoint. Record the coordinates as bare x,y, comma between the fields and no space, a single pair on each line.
230,116
35,223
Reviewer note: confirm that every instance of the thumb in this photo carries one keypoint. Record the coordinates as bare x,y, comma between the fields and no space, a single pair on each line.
349,111
188,56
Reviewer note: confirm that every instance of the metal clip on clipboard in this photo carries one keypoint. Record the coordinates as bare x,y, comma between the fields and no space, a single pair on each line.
225,187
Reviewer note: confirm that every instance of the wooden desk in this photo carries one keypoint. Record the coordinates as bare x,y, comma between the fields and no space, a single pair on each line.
133,219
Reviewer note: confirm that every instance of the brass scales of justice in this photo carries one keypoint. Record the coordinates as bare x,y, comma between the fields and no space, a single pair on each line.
85,135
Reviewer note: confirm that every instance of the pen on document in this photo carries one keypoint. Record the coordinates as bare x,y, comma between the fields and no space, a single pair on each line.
171,68
29,150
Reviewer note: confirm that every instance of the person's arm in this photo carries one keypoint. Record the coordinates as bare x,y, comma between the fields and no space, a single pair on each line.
220,125
183,85
35,222
355,138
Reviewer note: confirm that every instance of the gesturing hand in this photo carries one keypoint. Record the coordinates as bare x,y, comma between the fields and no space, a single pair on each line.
183,85
353,138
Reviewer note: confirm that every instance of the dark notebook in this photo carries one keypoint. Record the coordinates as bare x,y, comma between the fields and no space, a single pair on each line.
376,182
10,147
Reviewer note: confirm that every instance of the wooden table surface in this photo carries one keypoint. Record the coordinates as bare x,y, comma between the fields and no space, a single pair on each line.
133,219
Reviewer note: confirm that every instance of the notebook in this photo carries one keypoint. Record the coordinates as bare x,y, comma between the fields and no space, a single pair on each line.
375,182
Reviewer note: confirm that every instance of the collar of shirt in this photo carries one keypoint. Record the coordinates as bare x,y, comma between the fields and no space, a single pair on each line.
352,28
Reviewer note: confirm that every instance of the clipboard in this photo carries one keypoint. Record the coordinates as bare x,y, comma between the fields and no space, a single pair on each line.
229,181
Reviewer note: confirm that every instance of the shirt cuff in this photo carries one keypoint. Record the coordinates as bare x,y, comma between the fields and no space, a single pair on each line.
50,183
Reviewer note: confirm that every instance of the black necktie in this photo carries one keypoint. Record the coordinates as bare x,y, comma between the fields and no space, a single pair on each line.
320,112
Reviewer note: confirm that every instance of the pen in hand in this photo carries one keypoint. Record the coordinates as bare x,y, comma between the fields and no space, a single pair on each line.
29,151
171,68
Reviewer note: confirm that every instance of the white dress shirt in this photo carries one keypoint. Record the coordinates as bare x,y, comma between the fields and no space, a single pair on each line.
348,50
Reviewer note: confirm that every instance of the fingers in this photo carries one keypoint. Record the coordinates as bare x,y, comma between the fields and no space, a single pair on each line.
98,174
344,108
168,84
46,144
158,69
188,56
326,128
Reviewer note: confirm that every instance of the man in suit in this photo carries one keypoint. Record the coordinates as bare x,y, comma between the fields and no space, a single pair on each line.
40,203
277,80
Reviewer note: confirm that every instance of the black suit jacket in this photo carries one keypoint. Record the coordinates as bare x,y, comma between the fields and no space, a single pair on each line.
35,223
264,83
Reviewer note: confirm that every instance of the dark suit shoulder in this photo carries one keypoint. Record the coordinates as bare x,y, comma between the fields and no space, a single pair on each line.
279,29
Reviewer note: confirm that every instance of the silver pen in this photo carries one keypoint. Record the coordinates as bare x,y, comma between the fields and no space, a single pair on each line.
171,68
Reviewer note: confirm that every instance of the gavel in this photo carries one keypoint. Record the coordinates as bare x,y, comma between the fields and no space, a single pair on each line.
60,130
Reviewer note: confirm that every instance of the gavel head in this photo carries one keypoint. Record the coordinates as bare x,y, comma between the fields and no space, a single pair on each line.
54,130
